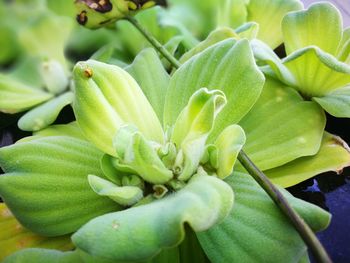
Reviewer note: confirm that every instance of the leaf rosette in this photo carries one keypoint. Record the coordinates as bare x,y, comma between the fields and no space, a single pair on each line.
130,187
317,62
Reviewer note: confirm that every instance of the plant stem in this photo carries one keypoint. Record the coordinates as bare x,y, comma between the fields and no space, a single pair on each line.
154,42
303,229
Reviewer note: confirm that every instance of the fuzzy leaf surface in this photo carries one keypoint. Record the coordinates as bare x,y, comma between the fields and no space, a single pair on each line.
46,186
141,232
288,127
256,230
334,155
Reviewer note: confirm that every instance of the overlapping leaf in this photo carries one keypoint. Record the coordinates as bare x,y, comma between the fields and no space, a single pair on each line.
46,186
256,230
136,233
45,114
150,74
108,97
282,126
269,14
14,236
334,155
16,96
227,66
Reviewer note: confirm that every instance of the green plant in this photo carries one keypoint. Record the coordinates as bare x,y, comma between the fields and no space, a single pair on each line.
148,171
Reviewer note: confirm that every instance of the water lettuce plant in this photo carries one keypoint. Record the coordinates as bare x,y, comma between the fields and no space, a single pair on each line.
148,170
318,52
183,160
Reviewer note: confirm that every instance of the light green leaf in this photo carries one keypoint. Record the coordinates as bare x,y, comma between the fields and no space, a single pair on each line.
214,37
46,188
109,170
148,71
227,66
228,144
334,155
37,255
231,13
288,127
336,103
54,76
14,236
45,114
316,72
123,195
256,230
26,70
248,30
269,14
141,232
107,97
71,130
343,53
309,70
193,126
275,68
139,156
320,25
45,36
16,96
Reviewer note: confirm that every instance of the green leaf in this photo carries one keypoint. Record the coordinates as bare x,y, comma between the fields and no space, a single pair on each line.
275,67
16,96
46,188
71,130
107,97
336,103
36,255
227,66
26,70
256,230
109,170
343,53
316,72
228,144
45,36
54,76
309,70
123,195
14,236
269,14
141,232
214,37
334,155
139,156
248,30
282,126
45,114
232,13
193,126
320,25
148,71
